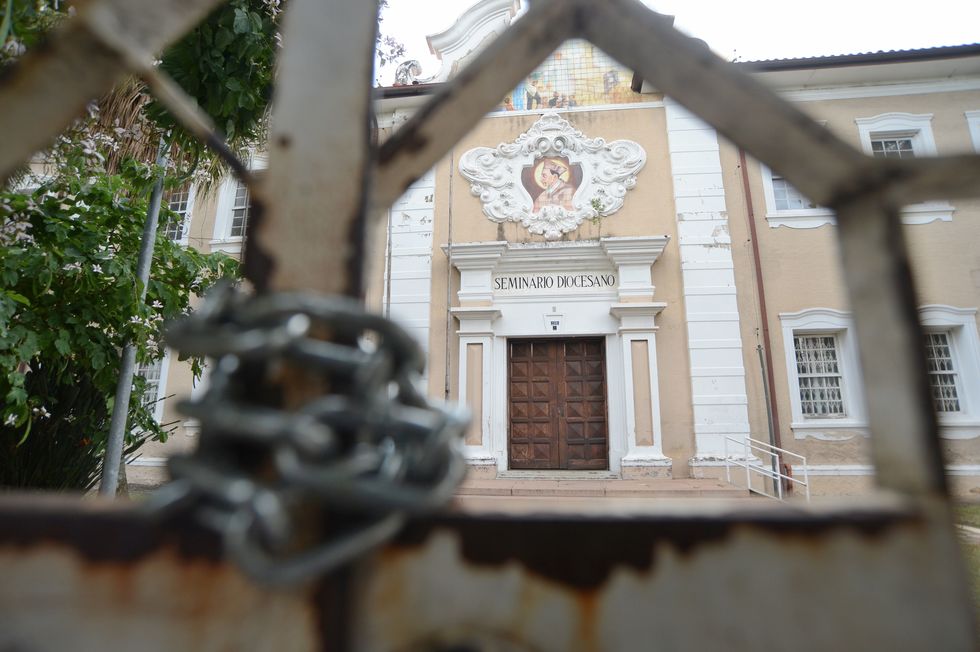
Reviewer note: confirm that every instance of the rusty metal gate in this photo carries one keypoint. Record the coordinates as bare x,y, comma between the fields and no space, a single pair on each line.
271,537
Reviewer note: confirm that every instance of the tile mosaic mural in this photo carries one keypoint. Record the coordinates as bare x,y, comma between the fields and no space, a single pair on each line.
577,74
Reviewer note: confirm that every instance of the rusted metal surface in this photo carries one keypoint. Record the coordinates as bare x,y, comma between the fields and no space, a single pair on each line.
313,227
693,577
882,575
42,93
692,581
96,576
905,445
924,179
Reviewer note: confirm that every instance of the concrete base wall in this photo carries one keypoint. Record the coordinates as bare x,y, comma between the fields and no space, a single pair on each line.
645,472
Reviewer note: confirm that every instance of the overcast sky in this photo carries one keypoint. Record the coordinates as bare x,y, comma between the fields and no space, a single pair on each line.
749,29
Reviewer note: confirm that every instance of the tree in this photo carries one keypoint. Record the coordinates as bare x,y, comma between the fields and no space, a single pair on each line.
68,249
68,302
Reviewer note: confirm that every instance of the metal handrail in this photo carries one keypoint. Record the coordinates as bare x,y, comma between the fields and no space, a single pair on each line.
752,445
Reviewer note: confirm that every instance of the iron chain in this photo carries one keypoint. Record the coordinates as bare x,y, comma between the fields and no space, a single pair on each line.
364,452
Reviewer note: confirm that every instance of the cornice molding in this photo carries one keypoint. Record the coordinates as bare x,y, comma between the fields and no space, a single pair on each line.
475,255
639,250
470,31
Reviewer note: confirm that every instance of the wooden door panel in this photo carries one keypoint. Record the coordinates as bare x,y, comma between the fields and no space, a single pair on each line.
583,430
557,397
533,406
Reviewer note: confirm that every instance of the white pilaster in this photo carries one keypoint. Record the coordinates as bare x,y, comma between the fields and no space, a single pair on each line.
714,339
638,323
408,281
476,327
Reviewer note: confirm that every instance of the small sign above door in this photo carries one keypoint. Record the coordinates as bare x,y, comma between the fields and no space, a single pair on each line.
553,283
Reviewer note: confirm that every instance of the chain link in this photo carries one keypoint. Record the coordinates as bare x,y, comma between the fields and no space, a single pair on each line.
366,451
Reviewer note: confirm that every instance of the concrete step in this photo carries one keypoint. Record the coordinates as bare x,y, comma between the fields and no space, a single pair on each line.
611,488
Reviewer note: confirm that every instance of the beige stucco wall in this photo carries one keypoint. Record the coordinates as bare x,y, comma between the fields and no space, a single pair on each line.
648,210
800,267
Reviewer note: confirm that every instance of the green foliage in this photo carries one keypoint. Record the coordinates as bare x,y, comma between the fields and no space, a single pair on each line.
25,22
227,65
69,302
69,298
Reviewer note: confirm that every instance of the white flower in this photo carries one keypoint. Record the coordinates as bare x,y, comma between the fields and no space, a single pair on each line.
97,269
71,267
14,48
92,324
10,420
156,304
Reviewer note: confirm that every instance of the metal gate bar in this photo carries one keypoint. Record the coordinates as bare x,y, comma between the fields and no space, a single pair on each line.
840,577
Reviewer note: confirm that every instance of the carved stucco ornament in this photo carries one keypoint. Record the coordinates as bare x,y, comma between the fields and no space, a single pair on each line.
552,177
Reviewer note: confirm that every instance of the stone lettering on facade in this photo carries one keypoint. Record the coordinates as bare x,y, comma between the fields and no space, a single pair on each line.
531,283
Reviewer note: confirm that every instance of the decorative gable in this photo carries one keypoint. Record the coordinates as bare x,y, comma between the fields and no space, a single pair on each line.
552,177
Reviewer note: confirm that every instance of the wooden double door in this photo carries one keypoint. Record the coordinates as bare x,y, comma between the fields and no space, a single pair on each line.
557,404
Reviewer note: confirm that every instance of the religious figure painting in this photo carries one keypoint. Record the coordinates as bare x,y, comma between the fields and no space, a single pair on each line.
552,181
552,177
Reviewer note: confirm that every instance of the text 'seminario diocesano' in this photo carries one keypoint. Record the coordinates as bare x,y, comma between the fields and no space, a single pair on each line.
554,282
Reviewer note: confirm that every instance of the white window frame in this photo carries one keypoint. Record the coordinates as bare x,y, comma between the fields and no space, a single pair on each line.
222,240
953,372
959,323
188,214
918,129
973,124
961,326
825,321
161,386
798,218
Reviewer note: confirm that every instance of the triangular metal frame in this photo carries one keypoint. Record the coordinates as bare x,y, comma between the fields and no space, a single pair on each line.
325,178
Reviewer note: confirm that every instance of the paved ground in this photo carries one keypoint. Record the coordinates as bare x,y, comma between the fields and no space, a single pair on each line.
601,488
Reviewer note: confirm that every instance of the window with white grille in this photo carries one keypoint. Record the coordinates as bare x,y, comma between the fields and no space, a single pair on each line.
151,374
942,372
892,147
787,206
239,211
819,373
787,197
823,371
904,135
179,201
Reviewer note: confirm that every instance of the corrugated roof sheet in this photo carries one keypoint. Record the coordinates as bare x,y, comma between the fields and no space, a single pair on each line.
798,63
865,58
